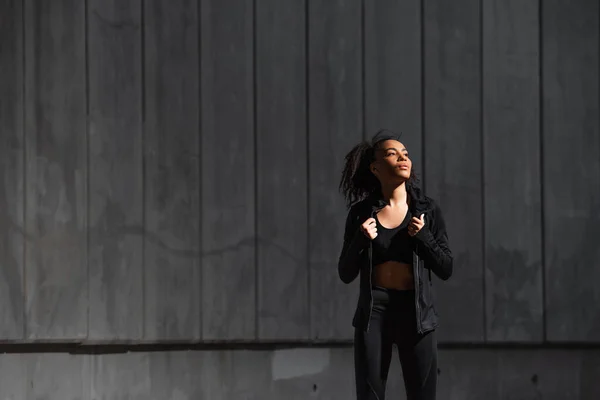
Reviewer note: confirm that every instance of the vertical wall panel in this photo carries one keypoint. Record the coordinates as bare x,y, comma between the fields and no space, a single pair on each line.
588,372
12,233
172,178
335,126
116,200
393,71
56,376
468,375
120,376
177,375
56,172
453,165
225,374
330,375
228,171
13,377
571,169
549,374
512,189
281,170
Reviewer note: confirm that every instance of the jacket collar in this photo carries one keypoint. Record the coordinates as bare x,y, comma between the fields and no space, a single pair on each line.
419,203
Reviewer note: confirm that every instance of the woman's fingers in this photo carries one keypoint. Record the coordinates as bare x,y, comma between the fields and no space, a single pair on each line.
369,227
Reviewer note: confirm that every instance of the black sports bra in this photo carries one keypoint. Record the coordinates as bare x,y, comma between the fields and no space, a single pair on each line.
393,244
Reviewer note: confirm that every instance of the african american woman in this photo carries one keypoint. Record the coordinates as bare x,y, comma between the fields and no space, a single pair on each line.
395,238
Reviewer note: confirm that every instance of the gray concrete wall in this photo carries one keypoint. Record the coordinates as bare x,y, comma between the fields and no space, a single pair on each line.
170,173
294,373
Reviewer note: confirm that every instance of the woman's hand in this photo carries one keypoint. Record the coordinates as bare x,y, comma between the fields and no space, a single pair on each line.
416,224
369,228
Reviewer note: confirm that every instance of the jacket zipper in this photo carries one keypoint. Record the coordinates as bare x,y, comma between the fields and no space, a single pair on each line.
417,291
370,278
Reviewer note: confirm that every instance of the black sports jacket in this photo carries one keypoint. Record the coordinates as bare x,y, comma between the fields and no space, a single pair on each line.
431,253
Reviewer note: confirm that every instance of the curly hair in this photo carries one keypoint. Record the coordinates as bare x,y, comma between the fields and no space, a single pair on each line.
358,182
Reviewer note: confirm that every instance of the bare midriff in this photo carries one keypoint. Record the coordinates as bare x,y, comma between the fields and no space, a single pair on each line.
394,275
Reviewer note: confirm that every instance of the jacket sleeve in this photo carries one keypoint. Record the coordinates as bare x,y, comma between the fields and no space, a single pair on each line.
437,254
355,244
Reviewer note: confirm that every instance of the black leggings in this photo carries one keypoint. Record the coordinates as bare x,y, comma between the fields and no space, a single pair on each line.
393,321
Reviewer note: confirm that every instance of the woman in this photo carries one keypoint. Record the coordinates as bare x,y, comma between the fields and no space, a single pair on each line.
395,238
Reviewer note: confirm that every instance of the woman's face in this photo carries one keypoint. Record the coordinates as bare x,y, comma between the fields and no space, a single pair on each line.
391,164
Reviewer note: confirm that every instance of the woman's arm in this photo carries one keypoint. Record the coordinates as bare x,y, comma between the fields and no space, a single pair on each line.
355,243
434,240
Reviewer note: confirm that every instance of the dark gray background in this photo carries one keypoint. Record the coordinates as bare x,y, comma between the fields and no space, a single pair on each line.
170,173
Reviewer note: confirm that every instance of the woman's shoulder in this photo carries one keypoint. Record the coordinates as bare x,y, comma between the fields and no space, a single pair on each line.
360,208
435,211
428,205
432,204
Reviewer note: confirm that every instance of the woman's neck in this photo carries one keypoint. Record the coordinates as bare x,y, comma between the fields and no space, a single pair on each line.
395,195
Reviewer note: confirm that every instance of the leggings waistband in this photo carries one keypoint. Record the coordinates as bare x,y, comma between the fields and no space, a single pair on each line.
392,296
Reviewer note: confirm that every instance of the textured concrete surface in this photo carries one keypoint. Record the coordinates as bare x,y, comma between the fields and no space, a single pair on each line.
317,373
170,173
171,169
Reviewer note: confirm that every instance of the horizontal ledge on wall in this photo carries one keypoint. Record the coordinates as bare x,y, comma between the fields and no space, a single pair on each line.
114,347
